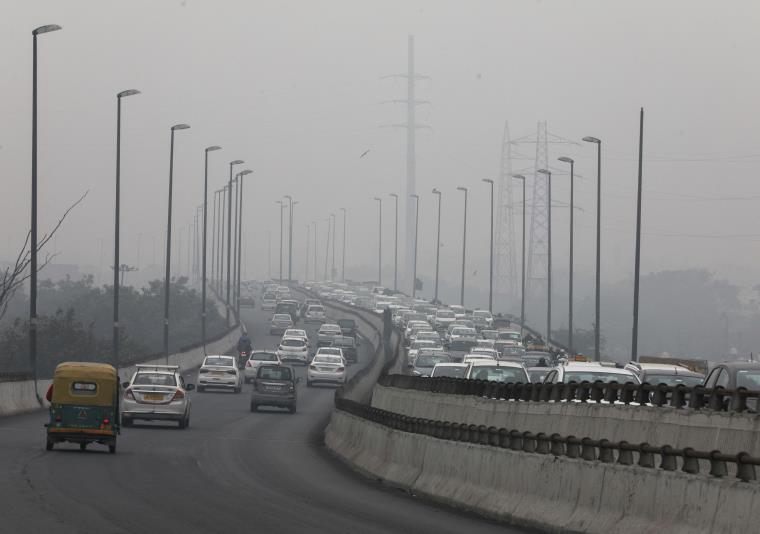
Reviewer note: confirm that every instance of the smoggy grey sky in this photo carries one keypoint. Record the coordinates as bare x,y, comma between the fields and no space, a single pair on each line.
294,88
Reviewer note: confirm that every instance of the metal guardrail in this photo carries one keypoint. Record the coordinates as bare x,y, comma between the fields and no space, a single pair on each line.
604,451
656,395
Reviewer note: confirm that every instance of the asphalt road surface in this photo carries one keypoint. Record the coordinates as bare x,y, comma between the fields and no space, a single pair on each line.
231,471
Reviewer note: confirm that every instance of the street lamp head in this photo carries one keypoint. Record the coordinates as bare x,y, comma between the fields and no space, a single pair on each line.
343,210
589,139
544,171
288,197
378,199
245,172
488,181
519,177
566,159
436,192
46,29
180,127
462,189
236,162
416,197
394,195
128,92
212,148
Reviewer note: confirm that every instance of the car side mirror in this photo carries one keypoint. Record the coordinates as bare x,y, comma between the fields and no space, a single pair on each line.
125,384
189,387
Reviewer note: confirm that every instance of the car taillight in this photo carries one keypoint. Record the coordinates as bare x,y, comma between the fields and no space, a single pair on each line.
341,369
106,421
313,367
129,395
248,363
203,371
179,394
231,372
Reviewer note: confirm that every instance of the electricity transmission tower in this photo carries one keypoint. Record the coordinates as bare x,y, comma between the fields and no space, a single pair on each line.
411,127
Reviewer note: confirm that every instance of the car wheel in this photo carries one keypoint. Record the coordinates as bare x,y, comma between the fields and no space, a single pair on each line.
182,423
253,407
112,448
201,389
292,409
49,445
309,383
238,389
126,421
82,446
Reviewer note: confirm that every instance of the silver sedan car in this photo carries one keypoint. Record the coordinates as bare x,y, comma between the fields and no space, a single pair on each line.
156,393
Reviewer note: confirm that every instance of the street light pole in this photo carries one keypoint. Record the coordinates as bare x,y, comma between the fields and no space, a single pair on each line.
33,232
308,239
241,175
548,255
205,225
572,209
490,261
290,238
315,250
380,242
335,233
229,237
464,245
167,278
438,245
416,228
637,266
282,208
327,247
597,348
522,278
117,211
343,256
395,253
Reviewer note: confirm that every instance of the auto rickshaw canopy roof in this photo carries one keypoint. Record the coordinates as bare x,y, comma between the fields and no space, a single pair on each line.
85,383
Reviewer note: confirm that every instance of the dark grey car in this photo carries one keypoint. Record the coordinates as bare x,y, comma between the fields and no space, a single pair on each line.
275,385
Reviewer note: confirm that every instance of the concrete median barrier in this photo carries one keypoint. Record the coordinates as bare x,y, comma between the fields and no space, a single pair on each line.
556,494
726,431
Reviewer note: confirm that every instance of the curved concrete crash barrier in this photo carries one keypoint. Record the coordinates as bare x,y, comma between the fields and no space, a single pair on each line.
630,394
681,428
550,482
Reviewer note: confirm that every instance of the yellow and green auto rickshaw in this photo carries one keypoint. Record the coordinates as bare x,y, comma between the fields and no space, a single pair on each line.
84,405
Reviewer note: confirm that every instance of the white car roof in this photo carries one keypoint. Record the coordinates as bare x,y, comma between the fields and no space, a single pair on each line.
492,363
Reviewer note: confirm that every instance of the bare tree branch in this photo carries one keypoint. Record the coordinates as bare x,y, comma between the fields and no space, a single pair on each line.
14,276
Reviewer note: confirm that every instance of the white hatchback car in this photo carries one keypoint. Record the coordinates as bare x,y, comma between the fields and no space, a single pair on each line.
255,360
326,368
220,372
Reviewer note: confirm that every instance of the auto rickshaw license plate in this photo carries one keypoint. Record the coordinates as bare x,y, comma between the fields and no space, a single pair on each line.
154,396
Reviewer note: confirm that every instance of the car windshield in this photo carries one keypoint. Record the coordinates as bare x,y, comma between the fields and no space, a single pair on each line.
593,376
327,358
423,343
454,371
269,296
293,343
674,380
316,309
344,342
538,375
463,331
281,317
222,361
749,379
429,360
154,379
346,323
445,314
269,372
328,350
462,345
264,356
499,374
330,328
481,314
509,335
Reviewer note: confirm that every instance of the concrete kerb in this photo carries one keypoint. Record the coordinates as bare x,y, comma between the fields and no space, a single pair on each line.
725,431
557,494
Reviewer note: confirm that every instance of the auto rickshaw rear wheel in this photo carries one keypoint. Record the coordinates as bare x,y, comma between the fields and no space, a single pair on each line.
82,446
49,445
112,448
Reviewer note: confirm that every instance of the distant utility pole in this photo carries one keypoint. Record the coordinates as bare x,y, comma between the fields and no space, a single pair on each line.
411,127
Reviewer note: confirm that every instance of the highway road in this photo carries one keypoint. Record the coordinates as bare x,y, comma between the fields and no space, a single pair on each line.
231,471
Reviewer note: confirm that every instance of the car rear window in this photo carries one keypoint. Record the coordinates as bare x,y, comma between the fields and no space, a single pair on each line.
431,360
220,361
499,374
264,356
454,371
275,373
293,343
316,309
281,317
327,358
587,376
347,322
445,314
329,350
154,379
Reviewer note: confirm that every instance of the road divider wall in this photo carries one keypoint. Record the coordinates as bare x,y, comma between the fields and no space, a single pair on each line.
549,489
726,431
